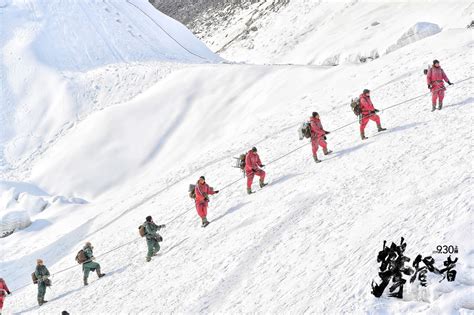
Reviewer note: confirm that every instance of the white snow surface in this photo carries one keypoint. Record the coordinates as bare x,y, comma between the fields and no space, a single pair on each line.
62,60
329,32
107,141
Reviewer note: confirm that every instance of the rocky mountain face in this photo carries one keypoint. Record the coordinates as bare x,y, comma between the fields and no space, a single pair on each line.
205,18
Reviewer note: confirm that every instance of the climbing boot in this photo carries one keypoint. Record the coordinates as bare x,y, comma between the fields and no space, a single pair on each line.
326,151
204,222
440,105
85,281
362,135
379,128
262,184
315,157
148,259
249,191
434,108
99,274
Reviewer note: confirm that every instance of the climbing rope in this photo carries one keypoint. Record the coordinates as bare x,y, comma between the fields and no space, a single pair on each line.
169,35
239,179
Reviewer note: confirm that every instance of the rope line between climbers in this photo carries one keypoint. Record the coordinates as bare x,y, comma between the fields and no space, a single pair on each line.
239,179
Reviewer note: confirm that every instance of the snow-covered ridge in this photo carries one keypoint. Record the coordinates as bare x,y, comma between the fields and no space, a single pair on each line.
55,55
77,35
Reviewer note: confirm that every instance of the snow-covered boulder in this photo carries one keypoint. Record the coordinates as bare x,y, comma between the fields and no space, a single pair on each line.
20,202
415,33
11,221
32,204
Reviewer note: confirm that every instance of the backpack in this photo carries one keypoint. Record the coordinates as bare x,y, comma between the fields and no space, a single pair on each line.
425,71
240,161
81,257
34,278
192,191
141,230
304,131
355,105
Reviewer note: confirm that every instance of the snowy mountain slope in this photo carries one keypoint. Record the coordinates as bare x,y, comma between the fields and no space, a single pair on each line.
324,32
54,54
306,243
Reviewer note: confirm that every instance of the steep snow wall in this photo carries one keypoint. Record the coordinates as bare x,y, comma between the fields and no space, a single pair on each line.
54,54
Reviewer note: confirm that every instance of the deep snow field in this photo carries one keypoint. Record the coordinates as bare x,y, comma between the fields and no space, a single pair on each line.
109,110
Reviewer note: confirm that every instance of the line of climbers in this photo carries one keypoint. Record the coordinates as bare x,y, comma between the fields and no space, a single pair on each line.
251,165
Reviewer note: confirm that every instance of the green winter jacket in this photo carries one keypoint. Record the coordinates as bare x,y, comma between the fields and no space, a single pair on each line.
89,264
41,273
151,230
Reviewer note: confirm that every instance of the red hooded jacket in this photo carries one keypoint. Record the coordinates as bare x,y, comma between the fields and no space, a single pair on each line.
436,76
366,105
202,191
252,161
316,127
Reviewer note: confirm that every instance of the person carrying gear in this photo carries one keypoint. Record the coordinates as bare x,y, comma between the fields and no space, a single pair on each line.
368,112
4,291
253,167
90,265
42,274
435,79
202,192
152,237
318,136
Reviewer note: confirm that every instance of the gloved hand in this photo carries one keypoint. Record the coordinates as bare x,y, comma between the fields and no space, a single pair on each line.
372,112
429,86
9,293
327,132
216,191
163,226
325,138
376,110
263,165
449,82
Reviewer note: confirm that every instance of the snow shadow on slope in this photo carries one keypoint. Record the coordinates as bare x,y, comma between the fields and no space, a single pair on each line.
467,101
231,210
284,178
402,127
118,270
349,150
396,129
